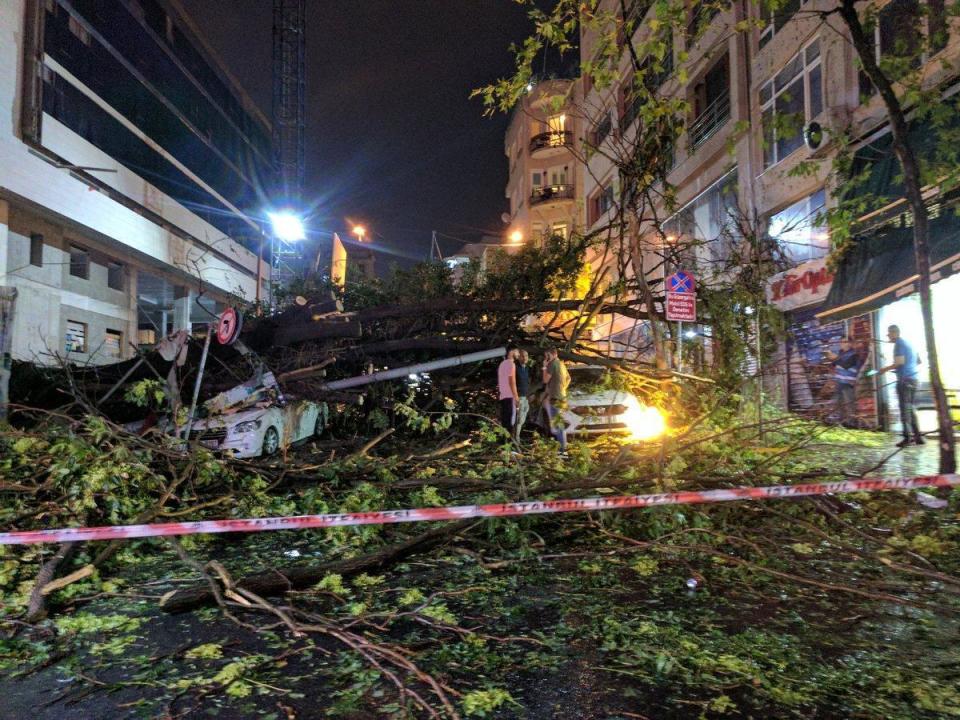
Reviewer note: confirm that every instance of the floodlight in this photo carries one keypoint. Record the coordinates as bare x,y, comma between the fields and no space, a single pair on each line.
287,226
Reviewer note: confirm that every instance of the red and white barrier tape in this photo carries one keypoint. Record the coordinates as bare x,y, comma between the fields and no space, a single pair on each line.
384,517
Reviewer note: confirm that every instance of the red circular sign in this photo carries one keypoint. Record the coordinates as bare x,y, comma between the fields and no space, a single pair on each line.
228,329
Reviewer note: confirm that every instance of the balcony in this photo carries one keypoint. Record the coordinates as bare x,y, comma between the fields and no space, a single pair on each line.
550,142
551,193
710,120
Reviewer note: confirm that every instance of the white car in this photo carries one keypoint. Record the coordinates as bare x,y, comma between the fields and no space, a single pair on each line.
263,429
596,408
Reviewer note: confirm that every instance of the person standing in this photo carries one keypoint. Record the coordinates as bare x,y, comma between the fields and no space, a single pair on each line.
556,379
523,390
846,369
904,364
507,388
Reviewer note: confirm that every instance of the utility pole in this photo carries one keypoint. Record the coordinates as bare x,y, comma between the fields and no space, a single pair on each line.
435,253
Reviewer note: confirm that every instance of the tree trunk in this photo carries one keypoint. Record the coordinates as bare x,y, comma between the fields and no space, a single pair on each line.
656,331
921,249
278,581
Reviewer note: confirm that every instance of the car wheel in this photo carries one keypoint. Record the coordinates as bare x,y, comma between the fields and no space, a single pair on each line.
271,441
320,425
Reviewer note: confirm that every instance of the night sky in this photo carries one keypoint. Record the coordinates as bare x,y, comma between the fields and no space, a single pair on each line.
393,139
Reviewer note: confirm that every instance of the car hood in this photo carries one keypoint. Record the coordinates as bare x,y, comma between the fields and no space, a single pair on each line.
602,397
221,421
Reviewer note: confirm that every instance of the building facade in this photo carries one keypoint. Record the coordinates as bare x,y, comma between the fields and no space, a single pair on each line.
739,166
546,173
132,171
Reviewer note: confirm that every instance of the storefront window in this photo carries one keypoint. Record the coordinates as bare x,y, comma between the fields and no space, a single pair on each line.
905,314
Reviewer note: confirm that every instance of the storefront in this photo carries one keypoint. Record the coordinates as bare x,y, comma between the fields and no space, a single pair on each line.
878,277
807,383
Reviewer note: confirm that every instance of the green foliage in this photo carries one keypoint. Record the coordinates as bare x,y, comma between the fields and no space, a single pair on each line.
146,393
482,703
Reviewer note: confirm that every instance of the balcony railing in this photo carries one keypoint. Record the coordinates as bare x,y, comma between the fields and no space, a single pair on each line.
549,193
551,139
710,120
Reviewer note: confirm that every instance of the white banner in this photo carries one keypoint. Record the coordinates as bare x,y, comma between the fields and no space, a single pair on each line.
806,284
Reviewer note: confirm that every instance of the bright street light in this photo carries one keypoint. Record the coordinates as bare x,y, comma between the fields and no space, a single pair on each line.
360,231
516,237
287,226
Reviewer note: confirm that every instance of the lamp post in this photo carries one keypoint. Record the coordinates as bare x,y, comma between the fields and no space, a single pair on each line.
360,231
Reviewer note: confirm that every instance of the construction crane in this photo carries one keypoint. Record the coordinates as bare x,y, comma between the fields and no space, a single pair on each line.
289,22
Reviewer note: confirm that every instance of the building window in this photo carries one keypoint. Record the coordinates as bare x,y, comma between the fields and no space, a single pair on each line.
790,100
799,229
36,249
76,337
79,30
701,14
600,203
560,230
556,126
79,262
113,344
899,34
710,220
711,103
776,19
115,276
602,130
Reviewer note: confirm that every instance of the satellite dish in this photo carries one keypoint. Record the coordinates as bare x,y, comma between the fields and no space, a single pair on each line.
506,218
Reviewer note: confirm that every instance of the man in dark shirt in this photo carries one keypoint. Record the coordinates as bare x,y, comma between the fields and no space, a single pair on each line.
523,390
846,371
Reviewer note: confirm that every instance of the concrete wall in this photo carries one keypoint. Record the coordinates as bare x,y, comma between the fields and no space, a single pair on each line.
48,296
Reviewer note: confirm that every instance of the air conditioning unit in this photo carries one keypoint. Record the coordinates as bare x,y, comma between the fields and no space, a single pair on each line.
816,138
820,137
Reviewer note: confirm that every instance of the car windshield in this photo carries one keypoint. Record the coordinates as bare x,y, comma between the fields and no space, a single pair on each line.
586,377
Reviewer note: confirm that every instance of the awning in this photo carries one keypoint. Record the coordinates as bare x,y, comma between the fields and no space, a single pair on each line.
880,267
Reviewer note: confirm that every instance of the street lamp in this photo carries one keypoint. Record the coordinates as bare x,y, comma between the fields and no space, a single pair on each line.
516,237
360,231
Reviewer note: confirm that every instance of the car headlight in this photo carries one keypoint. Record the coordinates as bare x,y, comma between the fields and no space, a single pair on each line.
247,426
645,422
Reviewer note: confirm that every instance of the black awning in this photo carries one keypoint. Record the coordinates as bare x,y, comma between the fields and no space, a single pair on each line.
880,267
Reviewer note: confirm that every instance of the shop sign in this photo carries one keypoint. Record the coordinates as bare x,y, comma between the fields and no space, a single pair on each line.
806,284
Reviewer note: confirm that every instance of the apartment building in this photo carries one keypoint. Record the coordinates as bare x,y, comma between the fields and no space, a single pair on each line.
546,175
736,163
132,168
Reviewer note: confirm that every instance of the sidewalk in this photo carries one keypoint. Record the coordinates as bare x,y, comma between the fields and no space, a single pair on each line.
900,462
